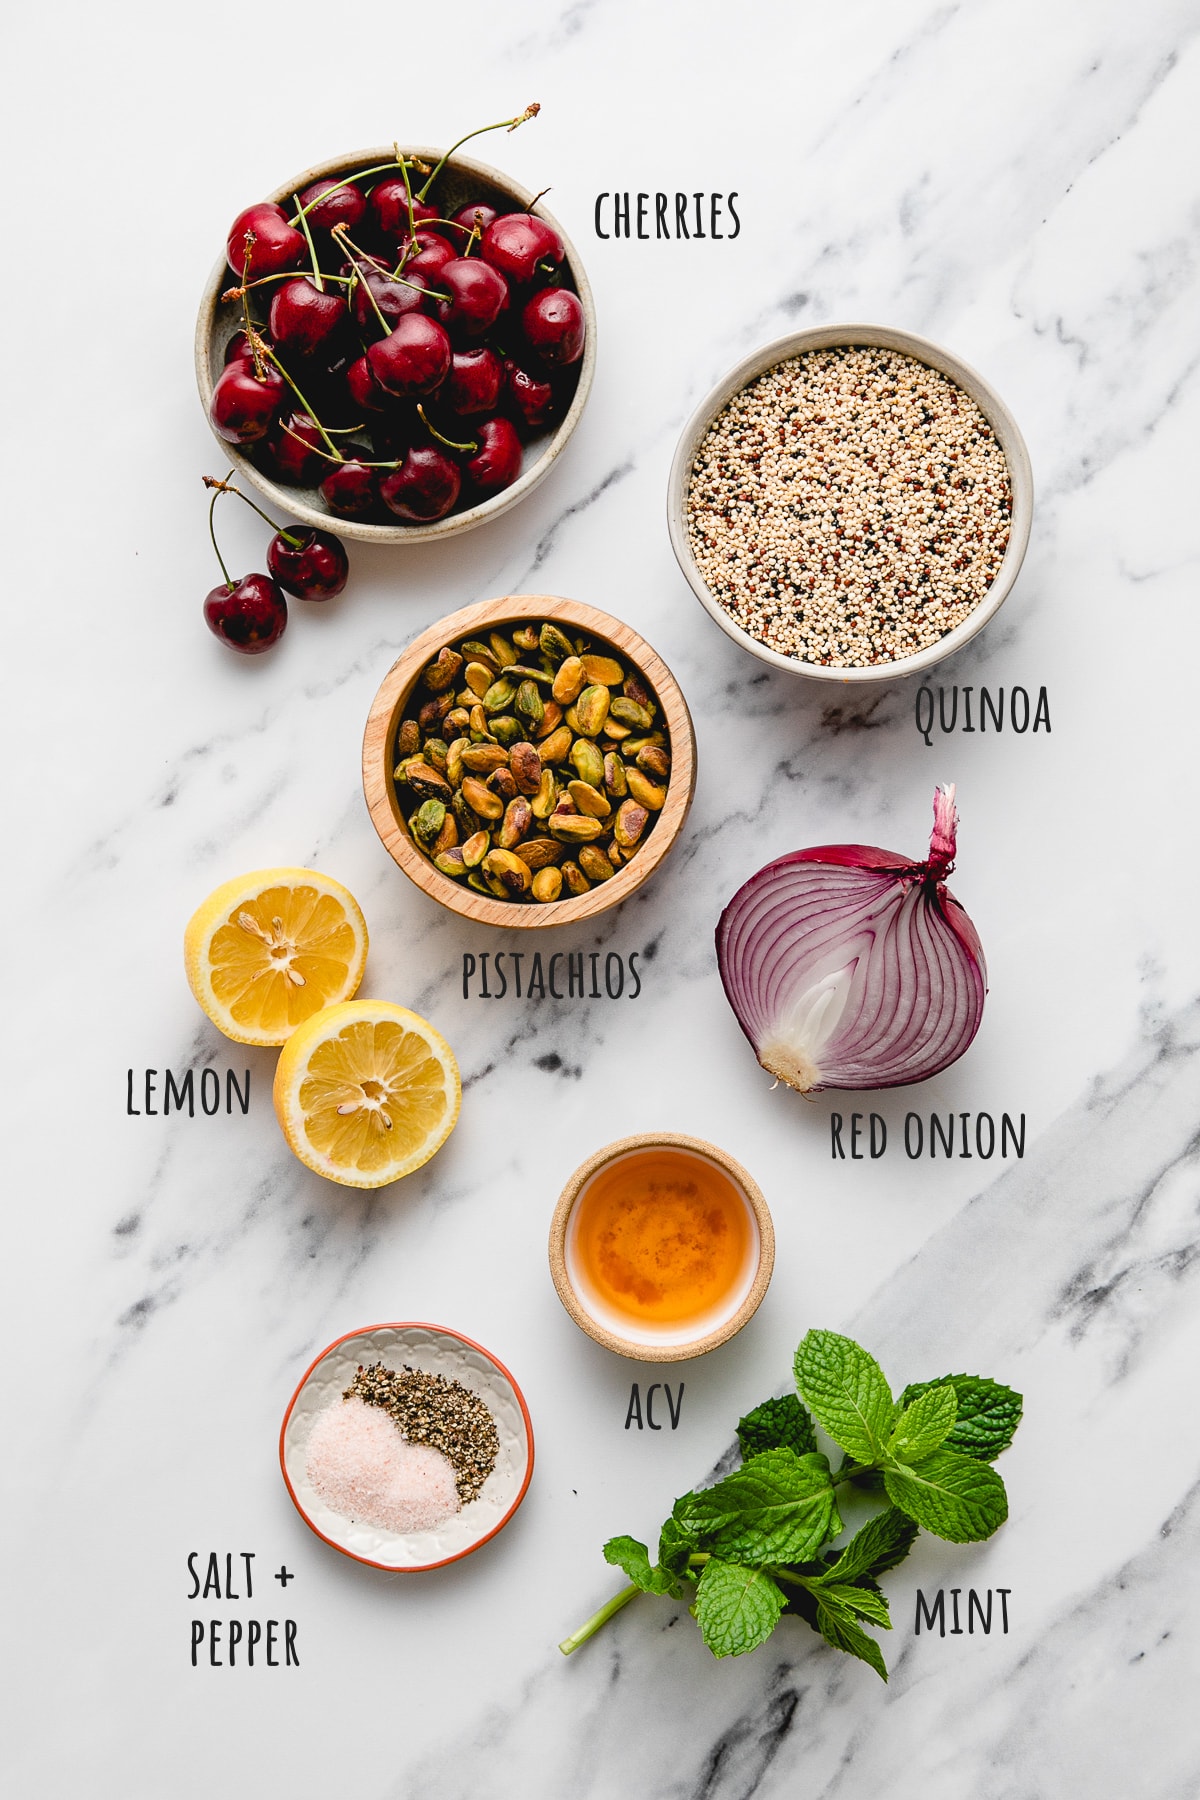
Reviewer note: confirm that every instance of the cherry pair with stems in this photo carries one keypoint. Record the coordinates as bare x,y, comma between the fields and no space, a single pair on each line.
250,615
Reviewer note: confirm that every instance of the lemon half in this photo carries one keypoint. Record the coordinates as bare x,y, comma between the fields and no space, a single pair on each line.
268,950
366,1092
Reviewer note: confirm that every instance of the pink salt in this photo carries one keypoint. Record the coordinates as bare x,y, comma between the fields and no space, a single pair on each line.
364,1469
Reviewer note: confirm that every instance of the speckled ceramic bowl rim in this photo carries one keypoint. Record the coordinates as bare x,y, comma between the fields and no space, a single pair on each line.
746,1186
364,530
823,337
445,1331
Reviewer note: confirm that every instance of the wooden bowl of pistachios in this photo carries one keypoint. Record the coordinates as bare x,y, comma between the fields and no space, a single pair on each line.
529,761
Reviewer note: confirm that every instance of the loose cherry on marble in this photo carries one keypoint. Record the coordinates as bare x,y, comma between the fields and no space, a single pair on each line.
244,402
414,359
277,245
350,489
296,448
330,203
531,397
472,387
517,243
496,462
312,565
303,318
478,295
425,486
554,325
249,615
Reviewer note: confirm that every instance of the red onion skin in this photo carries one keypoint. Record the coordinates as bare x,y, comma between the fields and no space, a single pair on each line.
935,975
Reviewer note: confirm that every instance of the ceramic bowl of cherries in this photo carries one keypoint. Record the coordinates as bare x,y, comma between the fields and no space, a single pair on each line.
399,342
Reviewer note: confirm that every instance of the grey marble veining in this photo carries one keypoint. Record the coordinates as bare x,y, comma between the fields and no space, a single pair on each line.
1016,181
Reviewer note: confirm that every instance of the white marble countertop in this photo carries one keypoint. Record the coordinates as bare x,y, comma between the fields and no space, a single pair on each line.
1018,182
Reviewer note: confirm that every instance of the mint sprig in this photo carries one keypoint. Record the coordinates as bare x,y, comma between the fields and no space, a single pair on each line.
759,1544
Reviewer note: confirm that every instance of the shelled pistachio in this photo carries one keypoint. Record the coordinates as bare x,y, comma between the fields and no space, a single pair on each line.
531,764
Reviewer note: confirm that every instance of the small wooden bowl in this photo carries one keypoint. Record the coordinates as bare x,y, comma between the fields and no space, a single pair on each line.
388,708
462,180
649,1347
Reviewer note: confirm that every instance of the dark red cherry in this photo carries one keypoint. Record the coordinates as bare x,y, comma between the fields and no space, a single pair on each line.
414,359
302,317
430,252
530,397
297,449
312,566
388,206
472,387
277,244
478,295
425,486
343,203
476,217
363,388
392,296
243,404
497,462
554,324
249,616
517,243
350,490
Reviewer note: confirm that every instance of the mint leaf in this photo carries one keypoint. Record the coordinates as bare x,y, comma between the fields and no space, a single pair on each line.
864,1601
838,1628
847,1393
988,1414
736,1608
675,1544
779,1424
924,1424
779,1507
883,1542
952,1495
626,1553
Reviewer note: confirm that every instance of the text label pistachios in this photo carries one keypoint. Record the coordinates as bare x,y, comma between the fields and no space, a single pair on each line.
563,975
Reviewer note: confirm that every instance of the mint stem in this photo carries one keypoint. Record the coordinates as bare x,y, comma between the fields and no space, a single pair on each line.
598,1619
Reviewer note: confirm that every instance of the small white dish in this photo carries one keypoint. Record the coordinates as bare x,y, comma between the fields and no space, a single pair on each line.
825,337
436,1351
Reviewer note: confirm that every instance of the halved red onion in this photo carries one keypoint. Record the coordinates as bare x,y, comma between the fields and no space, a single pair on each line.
851,967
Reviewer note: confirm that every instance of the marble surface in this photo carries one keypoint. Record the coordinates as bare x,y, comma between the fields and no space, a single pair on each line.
1018,182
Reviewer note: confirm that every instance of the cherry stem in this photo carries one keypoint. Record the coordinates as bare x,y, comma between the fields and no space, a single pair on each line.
227,487
531,112
258,343
217,487
247,321
236,293
312,248
408,197
449,442
354,253
346,181
538,197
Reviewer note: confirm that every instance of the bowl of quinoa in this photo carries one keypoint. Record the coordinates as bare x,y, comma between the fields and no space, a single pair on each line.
851,503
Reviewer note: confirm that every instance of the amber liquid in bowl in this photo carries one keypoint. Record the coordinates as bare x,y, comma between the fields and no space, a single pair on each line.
662,1245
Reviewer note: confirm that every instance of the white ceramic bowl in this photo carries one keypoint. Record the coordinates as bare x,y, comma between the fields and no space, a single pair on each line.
825,337
463,180
437,1351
